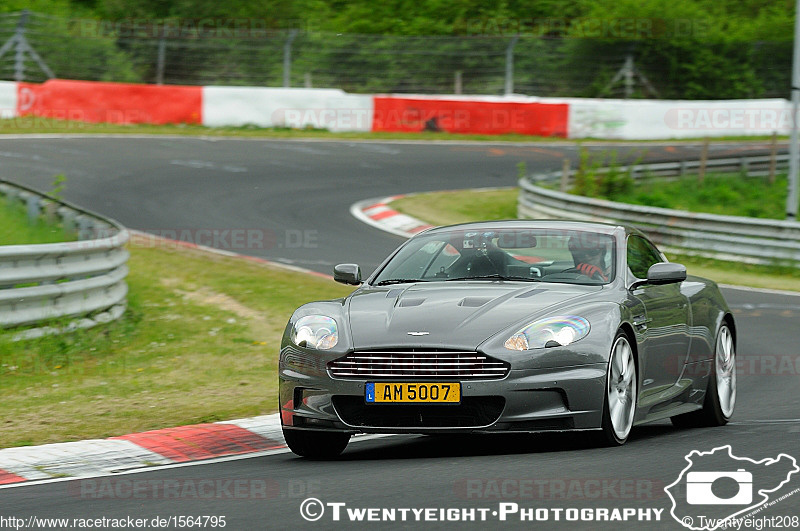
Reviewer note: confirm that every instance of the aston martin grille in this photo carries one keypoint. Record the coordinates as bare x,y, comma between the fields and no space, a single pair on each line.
418,363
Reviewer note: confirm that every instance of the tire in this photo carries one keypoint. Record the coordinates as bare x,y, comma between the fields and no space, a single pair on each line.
316,444
720,397
621,392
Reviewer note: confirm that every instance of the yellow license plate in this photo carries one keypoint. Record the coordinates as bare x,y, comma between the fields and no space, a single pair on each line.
413,393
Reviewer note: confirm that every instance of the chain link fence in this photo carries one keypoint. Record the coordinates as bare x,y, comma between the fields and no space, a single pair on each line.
237,52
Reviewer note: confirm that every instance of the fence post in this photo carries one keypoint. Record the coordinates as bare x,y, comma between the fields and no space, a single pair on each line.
162,52
19,56
628,77
701,171
307,80
287,59
457,82
564,175
509,88
773,155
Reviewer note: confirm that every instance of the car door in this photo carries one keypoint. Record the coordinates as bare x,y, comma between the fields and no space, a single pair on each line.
663,322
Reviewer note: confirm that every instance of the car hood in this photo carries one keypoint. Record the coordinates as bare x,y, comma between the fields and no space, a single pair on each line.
455,315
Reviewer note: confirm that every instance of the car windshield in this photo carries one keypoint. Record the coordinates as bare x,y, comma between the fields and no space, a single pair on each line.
519,254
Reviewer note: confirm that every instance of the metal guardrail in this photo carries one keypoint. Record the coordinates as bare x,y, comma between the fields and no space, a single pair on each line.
80,282
754,166
753,240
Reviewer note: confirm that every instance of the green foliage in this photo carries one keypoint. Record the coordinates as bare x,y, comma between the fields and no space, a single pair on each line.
522,169
59,182
16,229
610,183
733,195
688,49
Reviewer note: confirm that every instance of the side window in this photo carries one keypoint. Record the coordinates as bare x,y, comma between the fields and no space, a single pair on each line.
641,255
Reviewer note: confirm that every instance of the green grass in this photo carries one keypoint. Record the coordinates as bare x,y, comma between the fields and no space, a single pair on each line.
199,343
15,230
38,125
728,194
445,208
450,207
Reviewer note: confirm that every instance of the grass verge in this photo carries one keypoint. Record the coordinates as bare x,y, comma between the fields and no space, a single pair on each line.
39,125
445,208
726,194
15,230
199,343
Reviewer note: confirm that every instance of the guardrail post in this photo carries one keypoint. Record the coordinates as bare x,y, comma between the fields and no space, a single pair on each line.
701,172
684,168
67,219
773,155
32,202
564,175
743,165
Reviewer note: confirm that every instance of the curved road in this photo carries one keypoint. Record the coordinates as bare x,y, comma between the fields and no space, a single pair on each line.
296,194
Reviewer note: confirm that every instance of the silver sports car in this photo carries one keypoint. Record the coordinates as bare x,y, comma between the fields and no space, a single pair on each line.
506,326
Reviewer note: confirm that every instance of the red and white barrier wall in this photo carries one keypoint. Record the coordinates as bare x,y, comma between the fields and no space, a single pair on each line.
338,111
331,109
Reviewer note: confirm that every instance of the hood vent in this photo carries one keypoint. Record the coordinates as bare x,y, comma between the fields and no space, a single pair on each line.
474,302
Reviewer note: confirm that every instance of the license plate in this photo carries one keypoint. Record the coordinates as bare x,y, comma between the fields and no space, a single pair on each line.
413,393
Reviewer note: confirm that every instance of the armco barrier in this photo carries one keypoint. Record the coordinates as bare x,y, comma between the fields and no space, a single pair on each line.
753,240
81,281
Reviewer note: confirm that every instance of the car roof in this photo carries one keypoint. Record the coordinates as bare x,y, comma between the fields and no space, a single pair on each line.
601,228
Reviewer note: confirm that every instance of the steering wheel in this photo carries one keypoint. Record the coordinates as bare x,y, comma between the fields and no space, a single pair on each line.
587,270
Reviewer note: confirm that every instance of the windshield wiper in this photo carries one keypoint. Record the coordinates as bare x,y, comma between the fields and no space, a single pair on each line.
389,281
495,276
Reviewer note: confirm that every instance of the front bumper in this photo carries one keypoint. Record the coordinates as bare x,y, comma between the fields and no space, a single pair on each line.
526,400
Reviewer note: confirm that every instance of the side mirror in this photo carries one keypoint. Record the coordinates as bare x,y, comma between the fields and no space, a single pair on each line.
347,274
666,273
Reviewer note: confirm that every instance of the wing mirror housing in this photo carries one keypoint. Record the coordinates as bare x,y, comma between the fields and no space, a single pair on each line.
663,273
349,274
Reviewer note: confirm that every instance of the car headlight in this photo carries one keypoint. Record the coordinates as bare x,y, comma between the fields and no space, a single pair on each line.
549,332
315,331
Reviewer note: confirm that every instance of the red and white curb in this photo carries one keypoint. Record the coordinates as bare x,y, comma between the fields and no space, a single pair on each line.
97,457
379,214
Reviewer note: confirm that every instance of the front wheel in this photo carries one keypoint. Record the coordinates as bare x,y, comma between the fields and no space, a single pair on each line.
620,397
720,397
316,444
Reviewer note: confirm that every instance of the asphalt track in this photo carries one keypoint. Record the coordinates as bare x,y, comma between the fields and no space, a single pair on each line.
297,194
